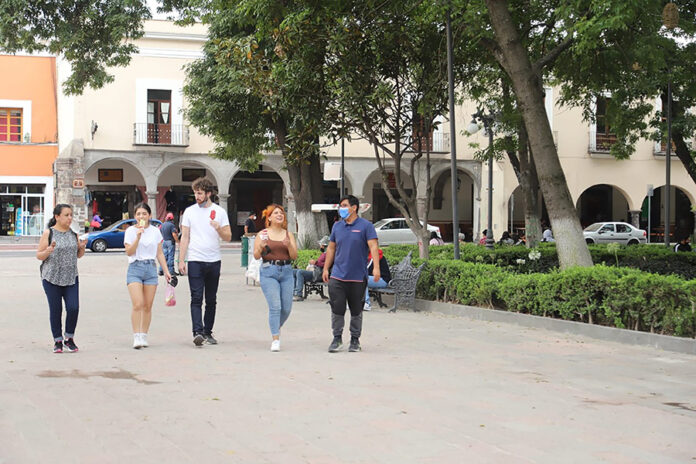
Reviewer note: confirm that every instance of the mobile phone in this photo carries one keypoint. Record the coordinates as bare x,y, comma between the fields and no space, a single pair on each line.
266,250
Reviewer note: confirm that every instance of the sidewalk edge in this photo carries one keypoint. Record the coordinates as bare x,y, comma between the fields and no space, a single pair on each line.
610,334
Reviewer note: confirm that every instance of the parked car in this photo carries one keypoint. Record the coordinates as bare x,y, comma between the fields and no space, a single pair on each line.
620,232
396,231
112,236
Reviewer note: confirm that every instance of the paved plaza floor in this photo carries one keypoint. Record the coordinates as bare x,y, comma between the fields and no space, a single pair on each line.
427,388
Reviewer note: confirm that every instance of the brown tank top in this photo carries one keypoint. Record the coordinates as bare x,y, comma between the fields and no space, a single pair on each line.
279,249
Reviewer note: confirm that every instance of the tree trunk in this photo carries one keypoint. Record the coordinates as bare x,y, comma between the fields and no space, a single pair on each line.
525,170
301,175
301,187
513,57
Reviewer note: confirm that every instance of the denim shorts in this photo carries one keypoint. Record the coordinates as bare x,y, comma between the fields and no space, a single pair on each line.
142,272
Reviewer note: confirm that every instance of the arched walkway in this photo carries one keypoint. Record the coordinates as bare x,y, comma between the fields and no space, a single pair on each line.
603,202
375,195
174,192
253,191
681,217
441,204
112,187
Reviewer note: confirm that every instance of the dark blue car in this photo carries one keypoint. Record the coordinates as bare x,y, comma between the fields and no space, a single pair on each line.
112,236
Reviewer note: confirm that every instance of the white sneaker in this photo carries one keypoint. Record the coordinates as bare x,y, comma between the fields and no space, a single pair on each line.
367,307
137,341
275,346
143,340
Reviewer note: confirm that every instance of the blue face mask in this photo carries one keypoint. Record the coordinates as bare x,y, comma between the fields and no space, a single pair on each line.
343,212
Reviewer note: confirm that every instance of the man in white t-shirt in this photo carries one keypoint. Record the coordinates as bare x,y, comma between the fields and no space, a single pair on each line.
202,227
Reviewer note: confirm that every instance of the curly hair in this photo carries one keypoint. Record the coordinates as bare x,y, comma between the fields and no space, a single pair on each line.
203,183
266,215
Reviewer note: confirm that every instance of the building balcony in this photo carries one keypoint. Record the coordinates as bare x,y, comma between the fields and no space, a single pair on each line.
601,142
176,135
438,142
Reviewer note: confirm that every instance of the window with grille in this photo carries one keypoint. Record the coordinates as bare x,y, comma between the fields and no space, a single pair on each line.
10,125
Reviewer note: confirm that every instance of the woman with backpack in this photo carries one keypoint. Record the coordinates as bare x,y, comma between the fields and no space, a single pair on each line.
59,249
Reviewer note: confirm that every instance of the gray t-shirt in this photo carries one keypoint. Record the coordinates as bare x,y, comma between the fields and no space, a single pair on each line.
60,268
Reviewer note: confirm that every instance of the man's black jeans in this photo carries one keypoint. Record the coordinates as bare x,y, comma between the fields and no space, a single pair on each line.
203,279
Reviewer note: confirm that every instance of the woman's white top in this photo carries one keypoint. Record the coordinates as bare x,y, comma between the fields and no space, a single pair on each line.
147,247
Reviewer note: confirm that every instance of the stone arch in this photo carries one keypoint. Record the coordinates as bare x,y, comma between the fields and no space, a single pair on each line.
115,193
374,194
441,202
603,202
652,214
253,191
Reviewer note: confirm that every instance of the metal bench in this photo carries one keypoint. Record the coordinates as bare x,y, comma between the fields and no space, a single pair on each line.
402,286
316,287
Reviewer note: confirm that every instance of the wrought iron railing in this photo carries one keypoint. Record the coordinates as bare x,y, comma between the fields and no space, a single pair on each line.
160,134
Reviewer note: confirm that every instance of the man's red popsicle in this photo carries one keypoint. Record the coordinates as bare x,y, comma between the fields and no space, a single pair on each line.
212,215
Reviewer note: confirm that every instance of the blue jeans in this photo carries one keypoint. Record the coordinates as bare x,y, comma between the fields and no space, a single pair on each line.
168,249
203,278
301,276
277,284
56,294
372,284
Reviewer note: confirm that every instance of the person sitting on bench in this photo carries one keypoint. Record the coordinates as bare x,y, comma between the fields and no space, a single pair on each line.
302,275
382,282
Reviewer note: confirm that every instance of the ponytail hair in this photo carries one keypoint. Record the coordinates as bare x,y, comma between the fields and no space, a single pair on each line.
57,211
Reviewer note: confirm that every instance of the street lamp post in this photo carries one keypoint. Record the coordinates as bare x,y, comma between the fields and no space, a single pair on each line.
453,139
474,127
670,20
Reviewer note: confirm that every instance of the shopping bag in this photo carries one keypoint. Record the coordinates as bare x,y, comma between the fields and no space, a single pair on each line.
169,296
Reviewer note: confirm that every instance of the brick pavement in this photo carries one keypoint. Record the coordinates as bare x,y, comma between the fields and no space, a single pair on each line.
427,388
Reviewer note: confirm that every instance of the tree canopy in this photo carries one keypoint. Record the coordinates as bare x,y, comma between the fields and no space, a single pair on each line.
91,35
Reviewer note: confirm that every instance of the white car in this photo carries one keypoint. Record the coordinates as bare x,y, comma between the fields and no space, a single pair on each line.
620,232
392,231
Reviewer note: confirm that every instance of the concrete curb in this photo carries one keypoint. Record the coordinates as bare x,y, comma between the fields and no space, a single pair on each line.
610,334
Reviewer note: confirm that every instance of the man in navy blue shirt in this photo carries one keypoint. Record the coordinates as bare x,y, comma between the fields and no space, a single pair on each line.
352,239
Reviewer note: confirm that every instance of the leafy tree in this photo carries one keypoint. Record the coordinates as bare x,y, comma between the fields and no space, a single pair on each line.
387,68
260,86
91,35
635,62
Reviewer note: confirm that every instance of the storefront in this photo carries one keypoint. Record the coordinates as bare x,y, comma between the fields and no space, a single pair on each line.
23,207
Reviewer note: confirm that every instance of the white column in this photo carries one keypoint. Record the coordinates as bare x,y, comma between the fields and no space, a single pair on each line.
152,202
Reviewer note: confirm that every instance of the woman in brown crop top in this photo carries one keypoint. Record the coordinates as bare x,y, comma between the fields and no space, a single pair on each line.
277,247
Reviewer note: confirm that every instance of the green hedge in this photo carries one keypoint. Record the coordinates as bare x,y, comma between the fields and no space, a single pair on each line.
614,296
651,258
604,295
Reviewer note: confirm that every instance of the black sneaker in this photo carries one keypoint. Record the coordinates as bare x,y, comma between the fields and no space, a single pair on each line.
70,346
209,339
354,345
58,347
336,345
198,339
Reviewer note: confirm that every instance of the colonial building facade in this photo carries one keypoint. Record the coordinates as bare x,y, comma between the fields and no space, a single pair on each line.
130,142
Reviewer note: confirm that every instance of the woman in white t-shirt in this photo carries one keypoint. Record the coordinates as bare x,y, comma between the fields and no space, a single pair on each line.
143,246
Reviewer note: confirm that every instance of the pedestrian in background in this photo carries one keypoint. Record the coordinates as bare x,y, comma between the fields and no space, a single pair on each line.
170,238
59,248
306,275
351,240
683,244
385,276
143,243
203,225
278,249
250,225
